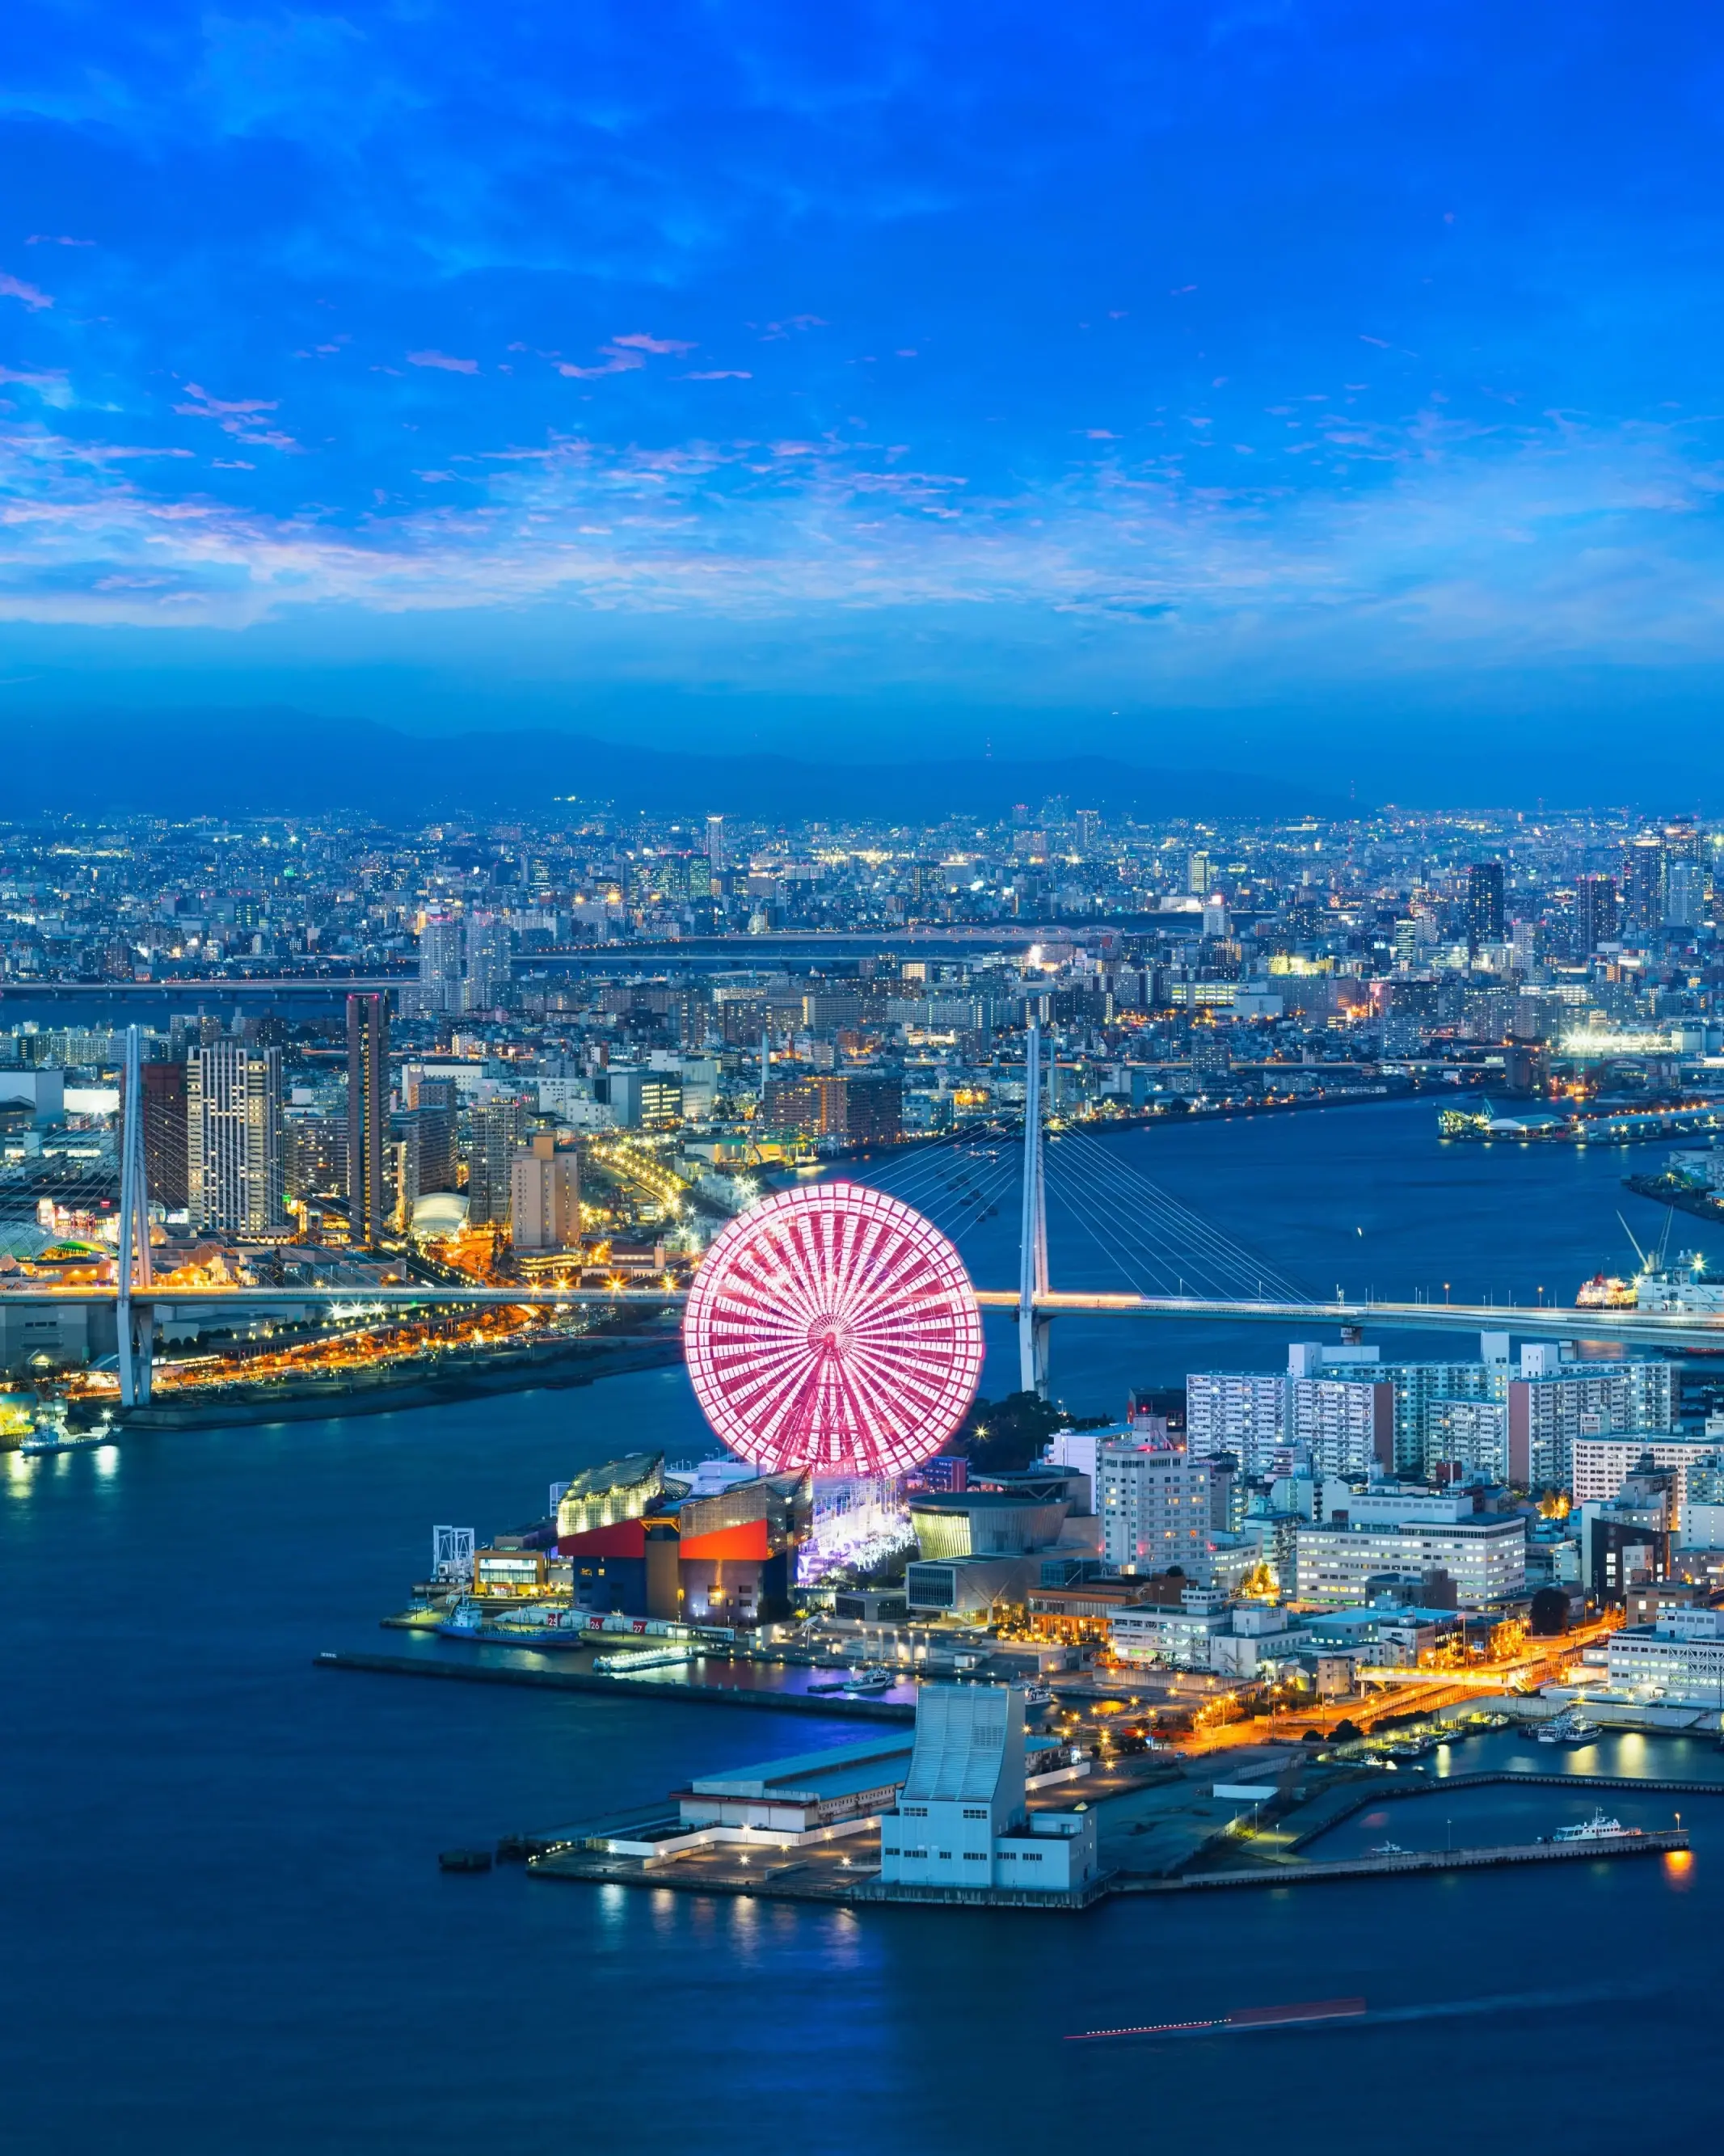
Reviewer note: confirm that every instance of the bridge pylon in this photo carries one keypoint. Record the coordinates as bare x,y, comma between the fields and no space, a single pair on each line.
1032,1235
134,1326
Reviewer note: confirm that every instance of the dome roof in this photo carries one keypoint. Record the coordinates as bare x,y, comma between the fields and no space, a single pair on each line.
440,1213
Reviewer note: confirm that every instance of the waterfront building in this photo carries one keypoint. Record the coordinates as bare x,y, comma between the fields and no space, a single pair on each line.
1242,1412
984,1523
619,1490
433,1105
969,1586
167,1168
544,1197
1154,1506
1679,1658
1554,1401
368,1205
962,1822
1182,1637
1483,1554
233,1168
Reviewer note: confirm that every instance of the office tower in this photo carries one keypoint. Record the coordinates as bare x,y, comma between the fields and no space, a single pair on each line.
367,1117
165,1173
1596,913
544,1197
488,970
233,1138
1197,875
1154,1511
1089,824
716,857
439,964
1642,883
1484,905
1685,895
499,1130
434,1112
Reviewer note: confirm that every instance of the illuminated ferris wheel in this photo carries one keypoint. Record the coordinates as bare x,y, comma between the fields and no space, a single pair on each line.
833,1328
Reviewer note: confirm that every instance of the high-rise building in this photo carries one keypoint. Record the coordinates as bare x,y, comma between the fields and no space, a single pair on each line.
1089,825
166,1173
233,1138
544,1197
1197,877
435,1113
717,858
439,964
1597,915
1484,905
488,946
1642,882
1685,895
498,1131
368,1205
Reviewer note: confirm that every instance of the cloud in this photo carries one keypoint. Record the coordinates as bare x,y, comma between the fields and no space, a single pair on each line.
236,416
14,288
50,385
55,239
442,359
639,341
1382,344
719,374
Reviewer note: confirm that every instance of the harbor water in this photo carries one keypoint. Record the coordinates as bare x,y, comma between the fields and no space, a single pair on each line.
226,1930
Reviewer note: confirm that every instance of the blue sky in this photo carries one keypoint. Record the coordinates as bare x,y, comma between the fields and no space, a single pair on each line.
1229,384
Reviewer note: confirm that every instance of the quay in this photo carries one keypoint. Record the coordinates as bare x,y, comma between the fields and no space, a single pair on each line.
1486,1778
815,1875
672,1691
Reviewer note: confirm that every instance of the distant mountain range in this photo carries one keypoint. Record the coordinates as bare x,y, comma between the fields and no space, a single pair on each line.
264,762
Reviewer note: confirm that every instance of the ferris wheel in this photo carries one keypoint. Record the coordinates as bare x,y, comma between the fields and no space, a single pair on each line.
833,1328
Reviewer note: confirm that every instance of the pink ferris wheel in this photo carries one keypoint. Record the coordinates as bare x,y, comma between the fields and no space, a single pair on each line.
833,1328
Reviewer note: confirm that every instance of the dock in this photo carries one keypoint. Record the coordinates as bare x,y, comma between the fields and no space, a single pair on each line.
816,1875
667,1691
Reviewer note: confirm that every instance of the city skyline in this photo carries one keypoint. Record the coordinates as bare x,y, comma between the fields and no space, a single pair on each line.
1245,392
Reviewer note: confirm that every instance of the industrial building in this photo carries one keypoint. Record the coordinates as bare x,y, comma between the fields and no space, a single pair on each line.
961,1822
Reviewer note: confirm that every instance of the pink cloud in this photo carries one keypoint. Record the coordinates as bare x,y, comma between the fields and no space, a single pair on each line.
721,374
14,288
441,359
218,408
638,340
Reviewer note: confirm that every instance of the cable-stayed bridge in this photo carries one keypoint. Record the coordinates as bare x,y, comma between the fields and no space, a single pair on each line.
1170,1262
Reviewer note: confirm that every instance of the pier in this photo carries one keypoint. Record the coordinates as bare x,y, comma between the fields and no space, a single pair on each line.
668,1690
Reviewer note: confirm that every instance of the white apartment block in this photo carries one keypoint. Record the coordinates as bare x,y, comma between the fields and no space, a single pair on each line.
1347,1424
1154,1511
1484,1555
1601,1464
1680,1658
1552,1402
1243,1412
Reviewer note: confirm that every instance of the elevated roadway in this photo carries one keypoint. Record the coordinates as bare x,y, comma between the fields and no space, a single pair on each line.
1675,1330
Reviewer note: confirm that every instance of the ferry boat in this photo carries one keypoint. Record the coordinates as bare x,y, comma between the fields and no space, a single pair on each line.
1600,1827
1387,1849
537,1628
863,1683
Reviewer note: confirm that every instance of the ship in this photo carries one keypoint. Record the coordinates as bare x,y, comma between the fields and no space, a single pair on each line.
1600,1827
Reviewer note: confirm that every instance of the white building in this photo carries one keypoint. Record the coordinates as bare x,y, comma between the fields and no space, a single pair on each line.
1601,1464
1346,1423
439,964
1243,1412
1680,1658
233,1137
1155,1510
1204,1633
1554,1401
1471,1434
1483,1554
961,1820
